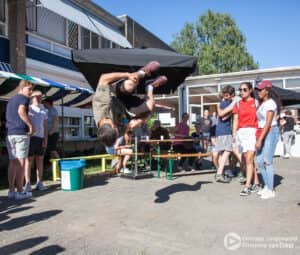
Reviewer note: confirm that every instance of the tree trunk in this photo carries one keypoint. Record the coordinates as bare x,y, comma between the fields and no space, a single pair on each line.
16,34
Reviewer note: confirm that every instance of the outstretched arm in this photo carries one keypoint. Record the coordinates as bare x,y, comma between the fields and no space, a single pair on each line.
164,107
108,78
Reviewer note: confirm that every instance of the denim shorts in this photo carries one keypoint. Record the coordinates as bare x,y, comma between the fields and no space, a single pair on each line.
17,146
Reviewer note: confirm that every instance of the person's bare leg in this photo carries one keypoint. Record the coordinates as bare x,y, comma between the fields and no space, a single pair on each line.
222,161
215,158
20,174
12,169
28,164
238,156
125,161
39,161
256,179
249,157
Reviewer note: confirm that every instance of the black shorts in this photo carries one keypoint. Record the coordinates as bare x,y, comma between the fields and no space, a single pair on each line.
136,105
35,147
52,141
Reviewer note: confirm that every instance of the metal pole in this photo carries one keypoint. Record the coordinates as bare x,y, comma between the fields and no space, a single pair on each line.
62,128
135,156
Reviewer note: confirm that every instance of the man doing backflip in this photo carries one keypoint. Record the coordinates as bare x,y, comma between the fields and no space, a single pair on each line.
114,100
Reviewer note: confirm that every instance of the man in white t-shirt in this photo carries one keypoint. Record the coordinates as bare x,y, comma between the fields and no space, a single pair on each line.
38,115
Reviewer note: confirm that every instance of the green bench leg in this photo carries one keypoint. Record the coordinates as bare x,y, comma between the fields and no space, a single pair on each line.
158,162
170,176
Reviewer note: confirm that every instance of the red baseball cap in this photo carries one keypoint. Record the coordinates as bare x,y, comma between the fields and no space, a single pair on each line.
264,84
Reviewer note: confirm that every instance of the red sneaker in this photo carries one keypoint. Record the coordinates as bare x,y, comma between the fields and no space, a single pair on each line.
159,81
150,67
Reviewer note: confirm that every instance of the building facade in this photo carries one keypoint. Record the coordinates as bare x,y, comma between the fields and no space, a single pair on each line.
37,36
202,92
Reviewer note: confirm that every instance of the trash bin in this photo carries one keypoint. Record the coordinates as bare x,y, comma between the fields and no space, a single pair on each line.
71,172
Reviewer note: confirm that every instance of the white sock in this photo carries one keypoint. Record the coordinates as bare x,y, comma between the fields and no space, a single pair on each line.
141,73
149,87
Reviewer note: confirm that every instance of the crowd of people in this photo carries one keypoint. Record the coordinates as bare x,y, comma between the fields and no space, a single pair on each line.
32,127
244,129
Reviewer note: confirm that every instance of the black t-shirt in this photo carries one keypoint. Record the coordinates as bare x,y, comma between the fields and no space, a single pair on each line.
289,125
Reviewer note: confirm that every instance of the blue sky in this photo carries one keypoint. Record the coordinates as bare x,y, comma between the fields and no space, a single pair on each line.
272,27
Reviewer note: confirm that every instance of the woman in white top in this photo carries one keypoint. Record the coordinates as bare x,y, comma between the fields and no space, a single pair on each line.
267,135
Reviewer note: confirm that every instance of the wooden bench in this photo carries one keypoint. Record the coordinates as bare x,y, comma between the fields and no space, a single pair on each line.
56,170
172,156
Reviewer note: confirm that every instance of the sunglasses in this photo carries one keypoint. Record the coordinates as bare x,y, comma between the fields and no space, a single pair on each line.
243,89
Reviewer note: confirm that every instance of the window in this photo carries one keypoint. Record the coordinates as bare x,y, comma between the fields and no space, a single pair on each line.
51,25
71,127
2,10
38,42
72,35
105,43
89,127
292,83
31,15
114,45
95,41
277,83
2,29
85,38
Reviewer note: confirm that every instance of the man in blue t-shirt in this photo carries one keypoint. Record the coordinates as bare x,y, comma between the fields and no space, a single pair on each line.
19,129
224,135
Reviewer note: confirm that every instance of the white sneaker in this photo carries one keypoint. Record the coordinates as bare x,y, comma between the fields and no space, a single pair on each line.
23,195
268,194
40,186
27,187
262,191
286,156
127,171
11,194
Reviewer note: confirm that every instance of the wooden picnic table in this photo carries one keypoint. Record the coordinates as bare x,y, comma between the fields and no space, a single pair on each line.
157,142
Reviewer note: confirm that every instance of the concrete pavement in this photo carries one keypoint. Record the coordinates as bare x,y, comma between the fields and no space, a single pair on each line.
189,215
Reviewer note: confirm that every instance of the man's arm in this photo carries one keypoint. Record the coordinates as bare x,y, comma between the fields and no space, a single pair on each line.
226,111
45,141
108,78
235,125
55,124
24,116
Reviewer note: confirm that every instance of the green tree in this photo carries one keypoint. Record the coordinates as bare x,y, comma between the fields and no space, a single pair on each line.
217,42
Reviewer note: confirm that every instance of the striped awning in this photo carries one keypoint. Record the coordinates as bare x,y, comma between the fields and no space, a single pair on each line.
71,95
5,67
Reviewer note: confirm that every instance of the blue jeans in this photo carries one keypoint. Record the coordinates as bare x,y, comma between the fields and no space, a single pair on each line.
264,157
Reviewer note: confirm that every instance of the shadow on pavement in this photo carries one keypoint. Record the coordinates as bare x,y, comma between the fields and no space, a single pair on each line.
277,180
5,215
8,204
95,180
49,250
27,220
163,195
22,245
